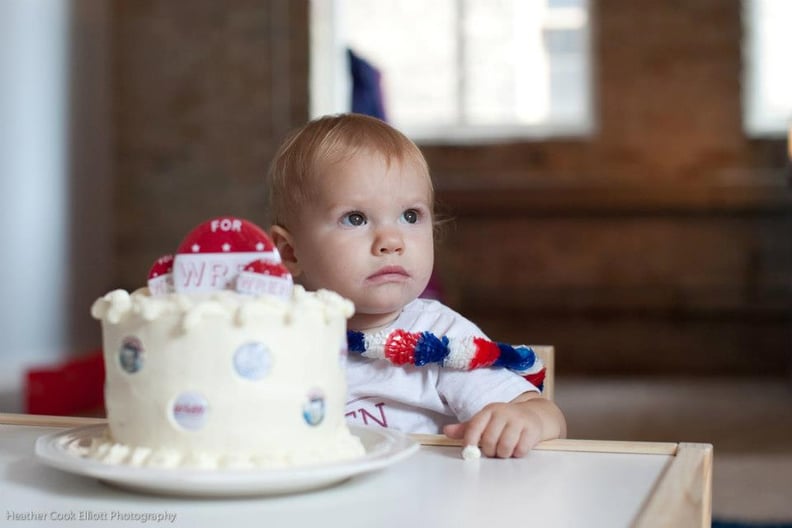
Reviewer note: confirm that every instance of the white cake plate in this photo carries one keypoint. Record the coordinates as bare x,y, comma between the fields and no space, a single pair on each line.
383,448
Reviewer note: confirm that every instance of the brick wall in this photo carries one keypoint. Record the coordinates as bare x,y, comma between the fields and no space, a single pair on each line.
658,245
203,92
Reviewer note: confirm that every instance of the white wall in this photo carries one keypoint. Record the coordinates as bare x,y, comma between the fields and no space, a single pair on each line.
54,177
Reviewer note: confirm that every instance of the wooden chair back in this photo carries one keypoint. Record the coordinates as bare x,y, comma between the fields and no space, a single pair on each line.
547,354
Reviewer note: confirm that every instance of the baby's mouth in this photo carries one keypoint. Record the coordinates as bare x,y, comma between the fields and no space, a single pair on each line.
389,273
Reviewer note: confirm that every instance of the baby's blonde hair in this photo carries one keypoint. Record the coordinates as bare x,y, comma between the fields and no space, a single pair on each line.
326,141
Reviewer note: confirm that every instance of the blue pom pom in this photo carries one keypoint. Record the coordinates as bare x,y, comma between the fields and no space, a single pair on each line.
430,349
356,341
515,358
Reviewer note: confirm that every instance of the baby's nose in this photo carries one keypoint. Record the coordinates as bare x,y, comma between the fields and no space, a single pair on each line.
389,241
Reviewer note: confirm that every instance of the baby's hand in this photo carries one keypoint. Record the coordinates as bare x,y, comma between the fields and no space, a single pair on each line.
511,429
500,430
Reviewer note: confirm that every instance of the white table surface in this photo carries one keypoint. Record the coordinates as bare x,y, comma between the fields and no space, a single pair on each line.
434,487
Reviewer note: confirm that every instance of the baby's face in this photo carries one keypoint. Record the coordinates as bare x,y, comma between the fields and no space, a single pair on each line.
368,236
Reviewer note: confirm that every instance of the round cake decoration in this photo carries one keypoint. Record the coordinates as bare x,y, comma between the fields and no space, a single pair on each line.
252,360
211,256
262,277
160,277
314,408
130,357
190,410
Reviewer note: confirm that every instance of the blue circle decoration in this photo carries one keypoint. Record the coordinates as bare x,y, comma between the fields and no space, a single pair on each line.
252,360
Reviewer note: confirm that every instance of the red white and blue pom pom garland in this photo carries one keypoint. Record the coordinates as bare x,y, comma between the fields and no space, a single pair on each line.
422,348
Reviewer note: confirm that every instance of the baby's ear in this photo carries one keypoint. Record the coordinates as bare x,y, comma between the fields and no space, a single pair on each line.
283,241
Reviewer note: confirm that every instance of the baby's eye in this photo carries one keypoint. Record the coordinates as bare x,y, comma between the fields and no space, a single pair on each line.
410,216
353,219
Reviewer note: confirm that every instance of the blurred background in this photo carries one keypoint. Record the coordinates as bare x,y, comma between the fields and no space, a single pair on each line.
617,176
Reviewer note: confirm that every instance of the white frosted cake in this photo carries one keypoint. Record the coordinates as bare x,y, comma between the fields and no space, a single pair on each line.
223,379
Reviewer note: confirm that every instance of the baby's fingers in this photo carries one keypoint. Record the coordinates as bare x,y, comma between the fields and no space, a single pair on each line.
475,428
528,438
510,441
492,441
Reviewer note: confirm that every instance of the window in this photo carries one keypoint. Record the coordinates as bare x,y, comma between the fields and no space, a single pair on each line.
767,97
460,70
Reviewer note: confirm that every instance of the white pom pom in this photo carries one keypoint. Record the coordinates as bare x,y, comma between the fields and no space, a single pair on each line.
471,452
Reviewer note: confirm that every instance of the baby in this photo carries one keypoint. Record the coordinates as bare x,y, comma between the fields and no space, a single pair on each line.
351,201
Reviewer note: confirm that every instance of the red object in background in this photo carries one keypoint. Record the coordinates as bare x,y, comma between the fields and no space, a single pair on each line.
74,387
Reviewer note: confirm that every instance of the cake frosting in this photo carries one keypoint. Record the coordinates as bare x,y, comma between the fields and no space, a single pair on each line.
223,379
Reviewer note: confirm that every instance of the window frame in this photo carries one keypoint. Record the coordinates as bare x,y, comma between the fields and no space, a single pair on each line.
330,87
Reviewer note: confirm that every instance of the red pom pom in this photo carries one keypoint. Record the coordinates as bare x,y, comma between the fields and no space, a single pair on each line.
400,347
537,378
487,352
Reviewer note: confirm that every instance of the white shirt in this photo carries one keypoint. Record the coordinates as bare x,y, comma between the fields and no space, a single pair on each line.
424,399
